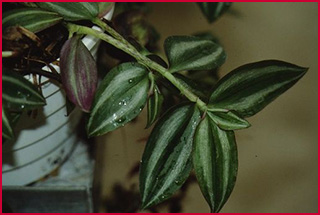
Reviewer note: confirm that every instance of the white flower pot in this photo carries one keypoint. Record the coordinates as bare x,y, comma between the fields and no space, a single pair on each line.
44,142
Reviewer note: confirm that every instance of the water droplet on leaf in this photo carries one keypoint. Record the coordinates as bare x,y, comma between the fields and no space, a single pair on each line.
123,102
121,120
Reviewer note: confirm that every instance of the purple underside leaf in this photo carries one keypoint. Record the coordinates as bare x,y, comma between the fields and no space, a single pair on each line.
78,73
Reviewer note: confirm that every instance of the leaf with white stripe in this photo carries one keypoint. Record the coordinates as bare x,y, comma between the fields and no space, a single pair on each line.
228,120
7,131
213,10
33,19
193,53
72,11
251,87
155,102
215,162
167,161
19,93
79,73
120,97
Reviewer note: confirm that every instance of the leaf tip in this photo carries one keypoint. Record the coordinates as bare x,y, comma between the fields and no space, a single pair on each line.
304,70
147,125
144,203
90,133
143,206
214,210
86,108
246,124
43,102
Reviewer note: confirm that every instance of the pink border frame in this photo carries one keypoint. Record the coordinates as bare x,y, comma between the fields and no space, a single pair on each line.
159,1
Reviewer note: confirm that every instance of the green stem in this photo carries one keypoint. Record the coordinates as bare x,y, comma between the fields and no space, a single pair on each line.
119,42
111,31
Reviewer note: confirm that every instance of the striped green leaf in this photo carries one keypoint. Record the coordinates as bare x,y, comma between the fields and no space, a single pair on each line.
215,162
228,120
193,53
28,4
166,161
33,19
79,73
213,10
249,88
120,97
154,106
72,11
18,93
7,131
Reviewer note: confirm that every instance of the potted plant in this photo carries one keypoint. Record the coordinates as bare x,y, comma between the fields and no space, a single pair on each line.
46,136
197,132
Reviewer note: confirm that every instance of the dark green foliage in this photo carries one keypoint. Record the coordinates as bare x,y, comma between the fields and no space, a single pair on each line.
197,135
166,161
213,10
7,131
72,11
249,88
33,19
215,161
121,96
193,53
18,93
154,106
